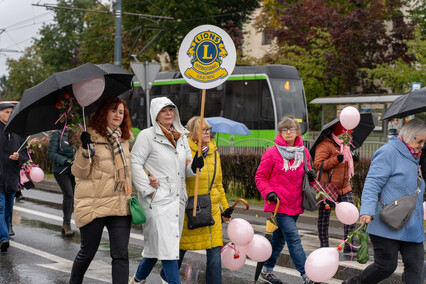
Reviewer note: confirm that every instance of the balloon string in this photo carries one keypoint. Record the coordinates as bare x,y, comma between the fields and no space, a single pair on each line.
352,253
325,197
230,246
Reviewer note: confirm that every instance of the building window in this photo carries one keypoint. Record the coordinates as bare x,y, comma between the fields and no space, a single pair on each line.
266,37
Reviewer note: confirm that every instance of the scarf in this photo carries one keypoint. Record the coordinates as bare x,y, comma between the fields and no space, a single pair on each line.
412,151
120,167
204,148
291,153
172,134
347,155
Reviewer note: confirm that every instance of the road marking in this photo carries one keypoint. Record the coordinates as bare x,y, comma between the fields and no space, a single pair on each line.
97,270
249,262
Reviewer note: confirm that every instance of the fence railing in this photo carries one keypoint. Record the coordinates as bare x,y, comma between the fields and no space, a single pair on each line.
258,146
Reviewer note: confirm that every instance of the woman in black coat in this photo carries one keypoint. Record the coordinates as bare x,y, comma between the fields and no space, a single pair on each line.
62,155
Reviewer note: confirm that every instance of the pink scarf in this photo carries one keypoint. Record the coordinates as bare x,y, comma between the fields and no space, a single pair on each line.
347,156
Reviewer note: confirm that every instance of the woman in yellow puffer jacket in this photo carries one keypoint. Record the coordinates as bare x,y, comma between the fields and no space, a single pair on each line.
208,238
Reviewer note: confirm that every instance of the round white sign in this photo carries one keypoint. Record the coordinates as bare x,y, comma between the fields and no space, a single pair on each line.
207,57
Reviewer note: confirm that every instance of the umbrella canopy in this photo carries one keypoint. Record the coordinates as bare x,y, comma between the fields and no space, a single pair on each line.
37,112
360,133
228,126
406,105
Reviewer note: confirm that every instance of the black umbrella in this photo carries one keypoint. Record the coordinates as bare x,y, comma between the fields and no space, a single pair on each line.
37,112
406,105
360,133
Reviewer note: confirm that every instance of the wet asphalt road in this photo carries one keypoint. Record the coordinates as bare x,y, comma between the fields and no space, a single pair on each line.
39,254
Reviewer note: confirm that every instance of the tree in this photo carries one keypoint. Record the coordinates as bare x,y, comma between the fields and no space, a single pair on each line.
59,41
418,15
359,34
399,75
26,72
228,14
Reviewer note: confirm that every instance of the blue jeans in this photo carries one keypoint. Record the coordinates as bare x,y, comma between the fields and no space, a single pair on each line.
213,265
170,268
6,211
287,231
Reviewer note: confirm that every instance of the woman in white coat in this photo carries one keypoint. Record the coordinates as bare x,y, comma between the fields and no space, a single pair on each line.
162,151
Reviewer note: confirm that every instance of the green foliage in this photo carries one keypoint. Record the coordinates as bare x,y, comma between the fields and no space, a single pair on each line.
229,14
59,42
418,15
358,38
25,72
238,172
399,75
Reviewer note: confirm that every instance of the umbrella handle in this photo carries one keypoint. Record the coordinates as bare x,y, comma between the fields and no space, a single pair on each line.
243,201
276,207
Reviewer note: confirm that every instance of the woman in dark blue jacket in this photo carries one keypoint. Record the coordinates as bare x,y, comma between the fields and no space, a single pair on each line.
62,155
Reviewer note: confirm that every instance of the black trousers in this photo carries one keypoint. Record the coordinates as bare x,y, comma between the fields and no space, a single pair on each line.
386,261
91,234
67,184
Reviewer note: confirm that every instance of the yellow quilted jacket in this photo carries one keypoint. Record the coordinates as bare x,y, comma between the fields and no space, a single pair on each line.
206,237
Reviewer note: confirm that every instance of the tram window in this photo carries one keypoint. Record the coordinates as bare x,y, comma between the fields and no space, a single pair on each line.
267,120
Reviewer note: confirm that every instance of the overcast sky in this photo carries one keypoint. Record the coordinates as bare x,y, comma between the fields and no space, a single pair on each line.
19,25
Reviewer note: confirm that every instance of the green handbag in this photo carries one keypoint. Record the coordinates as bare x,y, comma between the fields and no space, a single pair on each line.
138,216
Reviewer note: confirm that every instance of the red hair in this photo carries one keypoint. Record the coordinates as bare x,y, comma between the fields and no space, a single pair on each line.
338,129
99,120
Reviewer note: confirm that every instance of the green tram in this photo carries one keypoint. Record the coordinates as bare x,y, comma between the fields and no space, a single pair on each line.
257,96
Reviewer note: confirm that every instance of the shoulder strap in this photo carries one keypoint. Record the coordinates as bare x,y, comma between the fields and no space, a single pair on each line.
214,172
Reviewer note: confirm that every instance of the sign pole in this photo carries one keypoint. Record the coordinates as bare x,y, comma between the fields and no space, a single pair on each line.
200,137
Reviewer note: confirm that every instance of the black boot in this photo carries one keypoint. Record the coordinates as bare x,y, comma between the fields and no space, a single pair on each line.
11,232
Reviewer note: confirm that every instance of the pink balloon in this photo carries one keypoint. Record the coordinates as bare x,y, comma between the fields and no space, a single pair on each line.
347,213
36,174
229,259
240,232
424,210
350,117
88,91
322,264
259,248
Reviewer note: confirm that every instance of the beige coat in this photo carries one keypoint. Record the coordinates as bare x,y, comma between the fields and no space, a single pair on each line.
94,195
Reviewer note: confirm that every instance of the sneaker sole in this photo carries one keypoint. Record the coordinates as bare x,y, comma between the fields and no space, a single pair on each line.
267,281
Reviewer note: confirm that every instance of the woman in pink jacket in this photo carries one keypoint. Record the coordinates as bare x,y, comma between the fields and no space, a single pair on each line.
280,176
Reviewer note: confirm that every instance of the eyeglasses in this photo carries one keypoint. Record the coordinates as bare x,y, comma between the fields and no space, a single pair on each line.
419,141
292,130
207,129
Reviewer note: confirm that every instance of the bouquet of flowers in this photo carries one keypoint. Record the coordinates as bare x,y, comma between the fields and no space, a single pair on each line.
69,115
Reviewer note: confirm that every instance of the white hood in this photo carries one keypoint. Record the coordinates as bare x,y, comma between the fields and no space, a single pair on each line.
156,105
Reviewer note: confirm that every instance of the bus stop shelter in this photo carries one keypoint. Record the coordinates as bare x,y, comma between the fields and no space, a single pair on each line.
376,104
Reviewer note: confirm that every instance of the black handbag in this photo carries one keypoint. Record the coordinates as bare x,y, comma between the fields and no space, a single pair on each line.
309,201
396,214
203,216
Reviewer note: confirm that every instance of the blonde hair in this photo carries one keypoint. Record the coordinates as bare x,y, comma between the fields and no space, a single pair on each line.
289,122
194,124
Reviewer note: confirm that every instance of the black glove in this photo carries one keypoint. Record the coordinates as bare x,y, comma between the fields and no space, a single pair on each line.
355,158
197,163
272,196
340,158
228,212
68,163
311,175
85,139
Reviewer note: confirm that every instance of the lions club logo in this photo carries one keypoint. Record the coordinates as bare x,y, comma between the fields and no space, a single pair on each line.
207,52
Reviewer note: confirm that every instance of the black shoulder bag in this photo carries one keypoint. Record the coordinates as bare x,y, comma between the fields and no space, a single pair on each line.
203,216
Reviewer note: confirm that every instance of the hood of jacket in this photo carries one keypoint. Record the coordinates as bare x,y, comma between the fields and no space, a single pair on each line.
156,105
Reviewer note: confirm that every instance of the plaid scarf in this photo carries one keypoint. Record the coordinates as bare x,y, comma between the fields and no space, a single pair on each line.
172,134
120,167
204,148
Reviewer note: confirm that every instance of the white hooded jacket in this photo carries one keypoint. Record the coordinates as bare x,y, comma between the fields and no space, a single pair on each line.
165,211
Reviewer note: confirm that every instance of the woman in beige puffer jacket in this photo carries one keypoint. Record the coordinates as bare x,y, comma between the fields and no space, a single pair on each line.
103,187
